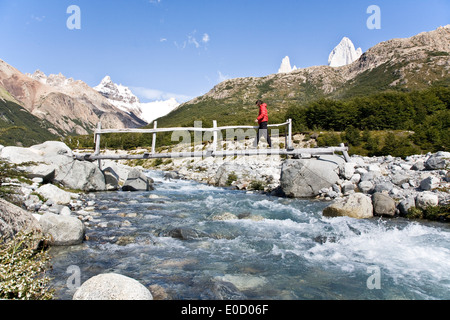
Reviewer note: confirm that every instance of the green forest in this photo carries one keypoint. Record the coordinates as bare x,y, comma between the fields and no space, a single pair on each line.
19,127
395,123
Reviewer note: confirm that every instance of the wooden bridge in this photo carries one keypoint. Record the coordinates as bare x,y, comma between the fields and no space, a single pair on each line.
289,150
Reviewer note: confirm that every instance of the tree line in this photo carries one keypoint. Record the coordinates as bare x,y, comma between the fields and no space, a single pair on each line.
400,123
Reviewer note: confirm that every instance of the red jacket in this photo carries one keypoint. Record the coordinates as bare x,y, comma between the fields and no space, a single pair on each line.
263,115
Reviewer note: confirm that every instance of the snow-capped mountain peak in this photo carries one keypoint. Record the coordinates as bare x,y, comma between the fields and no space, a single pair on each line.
344,54
120,96
123,98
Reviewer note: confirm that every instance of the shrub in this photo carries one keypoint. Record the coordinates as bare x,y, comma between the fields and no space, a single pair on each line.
231,178
257,185
23,269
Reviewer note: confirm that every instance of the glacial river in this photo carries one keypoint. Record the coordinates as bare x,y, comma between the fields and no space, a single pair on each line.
277,249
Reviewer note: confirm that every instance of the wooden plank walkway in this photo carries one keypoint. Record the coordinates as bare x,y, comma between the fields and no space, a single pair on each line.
288,151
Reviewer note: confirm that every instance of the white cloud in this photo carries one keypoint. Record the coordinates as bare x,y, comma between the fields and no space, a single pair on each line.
180,46
162,40
192,40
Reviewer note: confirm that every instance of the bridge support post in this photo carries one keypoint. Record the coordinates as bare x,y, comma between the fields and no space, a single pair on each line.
97,135
288,136
345,153
155,126
215,136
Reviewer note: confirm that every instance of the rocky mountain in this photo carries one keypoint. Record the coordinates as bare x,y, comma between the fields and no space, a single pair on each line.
120,96
344,54
399,64
70,106
157,109
286,66
124,99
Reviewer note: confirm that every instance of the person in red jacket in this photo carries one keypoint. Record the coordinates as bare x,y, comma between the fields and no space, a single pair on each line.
262,120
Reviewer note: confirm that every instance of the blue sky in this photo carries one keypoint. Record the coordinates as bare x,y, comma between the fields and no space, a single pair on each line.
183,48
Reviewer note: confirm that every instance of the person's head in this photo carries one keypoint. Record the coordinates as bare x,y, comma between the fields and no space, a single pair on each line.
259,102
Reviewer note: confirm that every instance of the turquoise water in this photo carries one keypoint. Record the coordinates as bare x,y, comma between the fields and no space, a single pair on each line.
280,249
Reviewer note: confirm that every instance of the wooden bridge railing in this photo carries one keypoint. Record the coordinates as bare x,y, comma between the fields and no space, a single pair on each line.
289,149
215,129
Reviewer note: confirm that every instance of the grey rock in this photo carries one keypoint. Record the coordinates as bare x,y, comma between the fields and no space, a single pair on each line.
426,199
32,203
429,183
111,179
418,166
112,286
365,186
137,181
400,178
370,176
405,205
186,234
172,175
54,194
18,155
44,171
14,219
348,187
53,148
64,231
383,205
80,175
224,290
356,205
435,162
65,211
305,178
384,186
347,170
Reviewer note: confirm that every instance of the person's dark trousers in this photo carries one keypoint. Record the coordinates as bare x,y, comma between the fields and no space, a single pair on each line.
263,132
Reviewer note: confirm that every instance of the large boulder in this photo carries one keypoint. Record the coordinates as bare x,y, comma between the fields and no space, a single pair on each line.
137,181
429,183
45,171
383,204
305,178
54,161
356,205
18,155
55,194
111,179
436,161
406,204
14,220
81,175
52,148
64,230
223,173
112,286
427,199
